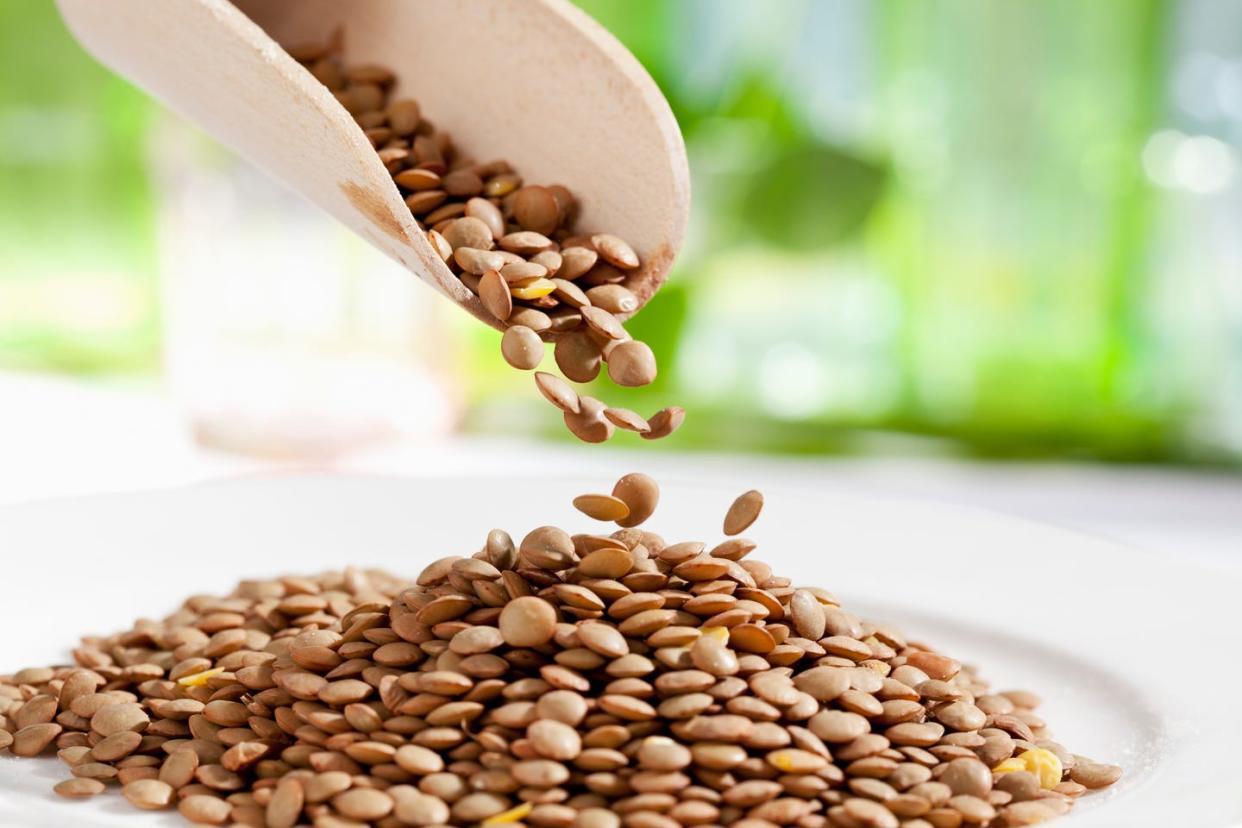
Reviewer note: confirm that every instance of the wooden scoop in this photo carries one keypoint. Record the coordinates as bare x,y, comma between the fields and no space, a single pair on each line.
536,82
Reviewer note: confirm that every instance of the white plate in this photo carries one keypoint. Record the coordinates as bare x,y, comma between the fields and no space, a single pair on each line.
1132,654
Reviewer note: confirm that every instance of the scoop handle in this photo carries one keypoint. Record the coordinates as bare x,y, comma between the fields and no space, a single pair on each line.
210,63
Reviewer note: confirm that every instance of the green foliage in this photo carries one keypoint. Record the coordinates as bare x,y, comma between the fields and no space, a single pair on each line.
812,195
976,233
77,282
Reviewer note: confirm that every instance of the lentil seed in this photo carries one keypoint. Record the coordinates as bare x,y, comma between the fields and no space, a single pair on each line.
602,507
554,740
577,356
1092,775
116,718
615,299
602,322
478,262
468,232
536,320
558,392
204,809
79,788
615,251
626,419
664,422
117,746
744,511
363,804
631,364
285,806
807,614
148,794
589,424
527,622
521,347
641,494
34,739
179,768
495,296
967,776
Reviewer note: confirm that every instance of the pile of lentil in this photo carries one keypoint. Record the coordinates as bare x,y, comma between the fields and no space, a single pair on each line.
594,680
513,245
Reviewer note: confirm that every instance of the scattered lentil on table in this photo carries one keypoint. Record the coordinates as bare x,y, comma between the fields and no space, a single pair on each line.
512,244
592,680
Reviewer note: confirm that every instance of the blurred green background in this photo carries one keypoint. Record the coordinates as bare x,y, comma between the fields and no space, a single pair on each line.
991,228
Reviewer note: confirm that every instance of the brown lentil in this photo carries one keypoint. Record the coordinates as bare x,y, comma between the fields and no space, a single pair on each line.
631,364
641,494
117,746
664,422
527,622
744,511
521,347
78,788
588,423
148,794
602,507
34,739
205,809
558,392
626,419
495,296
577,356
1092,775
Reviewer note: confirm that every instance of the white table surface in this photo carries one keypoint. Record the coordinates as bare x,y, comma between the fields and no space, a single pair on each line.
65,437
922,566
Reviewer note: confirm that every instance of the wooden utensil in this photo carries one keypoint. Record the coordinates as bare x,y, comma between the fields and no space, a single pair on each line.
536,82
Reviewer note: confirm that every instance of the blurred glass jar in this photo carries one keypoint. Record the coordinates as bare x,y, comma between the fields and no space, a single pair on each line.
284,334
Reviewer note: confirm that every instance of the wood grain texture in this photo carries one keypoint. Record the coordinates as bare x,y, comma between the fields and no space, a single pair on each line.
534,81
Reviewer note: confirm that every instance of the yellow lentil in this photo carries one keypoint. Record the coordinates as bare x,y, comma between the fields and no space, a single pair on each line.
1010,766
534,289
199,679
515,814
1045,764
